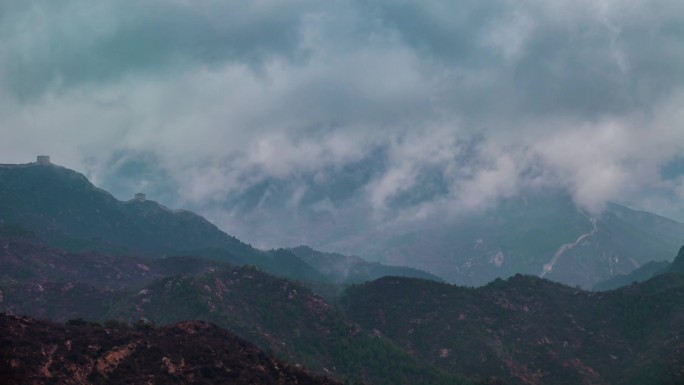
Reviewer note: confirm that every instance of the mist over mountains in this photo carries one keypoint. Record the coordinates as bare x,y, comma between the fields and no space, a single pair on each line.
61,207
379,192
520,234
358,123
539,234
133,271
364,112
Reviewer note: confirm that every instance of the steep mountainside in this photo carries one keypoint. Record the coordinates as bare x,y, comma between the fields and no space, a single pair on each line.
63,208
533,330
188,352
543,235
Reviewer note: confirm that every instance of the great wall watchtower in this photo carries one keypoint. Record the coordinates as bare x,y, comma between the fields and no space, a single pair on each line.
43,160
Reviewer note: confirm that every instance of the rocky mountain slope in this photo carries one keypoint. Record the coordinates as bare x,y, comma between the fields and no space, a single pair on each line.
531,330
523,330
190,352
280,316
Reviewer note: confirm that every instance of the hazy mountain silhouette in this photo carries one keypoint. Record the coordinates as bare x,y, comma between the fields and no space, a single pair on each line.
542,235
63,208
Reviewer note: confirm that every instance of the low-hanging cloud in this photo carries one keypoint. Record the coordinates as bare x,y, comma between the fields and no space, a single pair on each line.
384,109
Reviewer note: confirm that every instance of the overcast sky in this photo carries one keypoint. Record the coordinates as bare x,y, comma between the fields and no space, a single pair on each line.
444,106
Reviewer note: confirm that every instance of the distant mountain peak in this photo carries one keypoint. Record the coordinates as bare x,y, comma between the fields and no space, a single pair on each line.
678,263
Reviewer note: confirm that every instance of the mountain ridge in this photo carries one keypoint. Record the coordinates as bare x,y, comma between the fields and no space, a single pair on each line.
532,330
63,208
280,316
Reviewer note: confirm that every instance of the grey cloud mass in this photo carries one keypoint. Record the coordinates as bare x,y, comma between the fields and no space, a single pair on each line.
356,112
66,44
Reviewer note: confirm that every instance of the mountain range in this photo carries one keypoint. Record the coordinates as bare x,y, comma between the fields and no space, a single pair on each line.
536,231
531,330
138,274
62,208
282,317
537,234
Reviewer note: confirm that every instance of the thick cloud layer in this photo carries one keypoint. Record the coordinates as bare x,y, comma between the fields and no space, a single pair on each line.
373,110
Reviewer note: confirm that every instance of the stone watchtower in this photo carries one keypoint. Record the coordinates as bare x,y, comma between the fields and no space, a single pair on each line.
140,197
43,160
